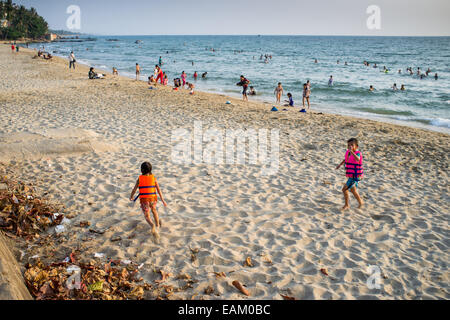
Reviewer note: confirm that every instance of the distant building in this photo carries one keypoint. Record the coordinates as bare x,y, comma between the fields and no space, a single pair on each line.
51,36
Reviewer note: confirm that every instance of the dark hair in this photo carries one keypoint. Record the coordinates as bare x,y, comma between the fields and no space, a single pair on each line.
289,94
146,168
353,140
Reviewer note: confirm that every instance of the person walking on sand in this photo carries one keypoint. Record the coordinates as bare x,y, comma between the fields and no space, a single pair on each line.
160,75
138,71
306,94
72,61
353,171
244,84
148,195
278,92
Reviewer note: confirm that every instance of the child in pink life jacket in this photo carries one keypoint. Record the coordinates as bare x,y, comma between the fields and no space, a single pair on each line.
353,170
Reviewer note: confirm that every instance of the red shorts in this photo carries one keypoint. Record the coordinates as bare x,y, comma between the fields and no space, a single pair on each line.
147,204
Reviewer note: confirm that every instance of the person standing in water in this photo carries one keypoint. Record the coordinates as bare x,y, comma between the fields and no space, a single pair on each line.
394,87
138,71
278,92
435,76
160,61
330,81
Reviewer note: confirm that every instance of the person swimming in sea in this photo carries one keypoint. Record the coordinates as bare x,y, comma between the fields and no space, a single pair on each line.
394,87
371,88
252,91
402,88
435,76
204,75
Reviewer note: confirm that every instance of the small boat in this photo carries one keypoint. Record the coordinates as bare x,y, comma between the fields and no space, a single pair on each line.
138,41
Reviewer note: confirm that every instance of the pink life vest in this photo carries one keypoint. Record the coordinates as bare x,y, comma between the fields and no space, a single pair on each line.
353,168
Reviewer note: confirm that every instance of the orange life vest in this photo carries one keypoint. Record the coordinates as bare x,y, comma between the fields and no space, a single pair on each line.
147,187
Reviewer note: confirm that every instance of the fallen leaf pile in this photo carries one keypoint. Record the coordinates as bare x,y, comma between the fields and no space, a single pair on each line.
22,214
97,282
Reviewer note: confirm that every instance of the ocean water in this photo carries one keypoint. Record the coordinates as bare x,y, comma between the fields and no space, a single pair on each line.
425,103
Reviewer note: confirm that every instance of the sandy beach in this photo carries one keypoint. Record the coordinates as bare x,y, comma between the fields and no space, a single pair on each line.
80,142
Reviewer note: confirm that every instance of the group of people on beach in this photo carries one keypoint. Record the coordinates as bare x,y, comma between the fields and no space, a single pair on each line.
149,189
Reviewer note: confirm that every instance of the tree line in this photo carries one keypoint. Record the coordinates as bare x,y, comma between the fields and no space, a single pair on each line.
19,22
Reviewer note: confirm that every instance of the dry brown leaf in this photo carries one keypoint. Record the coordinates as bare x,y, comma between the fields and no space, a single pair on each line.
239,286
248,262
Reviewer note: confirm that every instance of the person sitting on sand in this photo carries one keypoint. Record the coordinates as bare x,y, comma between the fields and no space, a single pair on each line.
151,80
148,189
166,79
48,57
191,86
353,170
252,91
290,102
278,92
93,75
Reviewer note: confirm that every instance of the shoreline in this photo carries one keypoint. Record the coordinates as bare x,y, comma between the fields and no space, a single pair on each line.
321,108
88,138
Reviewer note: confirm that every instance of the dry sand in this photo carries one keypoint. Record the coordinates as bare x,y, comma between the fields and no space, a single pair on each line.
290,224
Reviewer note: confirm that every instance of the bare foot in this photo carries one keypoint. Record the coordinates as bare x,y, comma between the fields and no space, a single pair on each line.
361,205
346,207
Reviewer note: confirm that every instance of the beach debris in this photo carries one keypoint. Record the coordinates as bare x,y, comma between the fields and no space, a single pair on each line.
83,282
99,255
248,262
97,231
287,297
228,102
115,239
324,271
164,276
183,276
239,286
209,290
84,224
126,262
60,229
22,215
220,274
274,108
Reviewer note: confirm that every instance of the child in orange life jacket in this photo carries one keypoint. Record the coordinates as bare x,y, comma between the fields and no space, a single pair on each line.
354,172
148,186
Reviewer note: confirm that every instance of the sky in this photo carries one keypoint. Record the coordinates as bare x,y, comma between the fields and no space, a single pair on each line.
265,17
